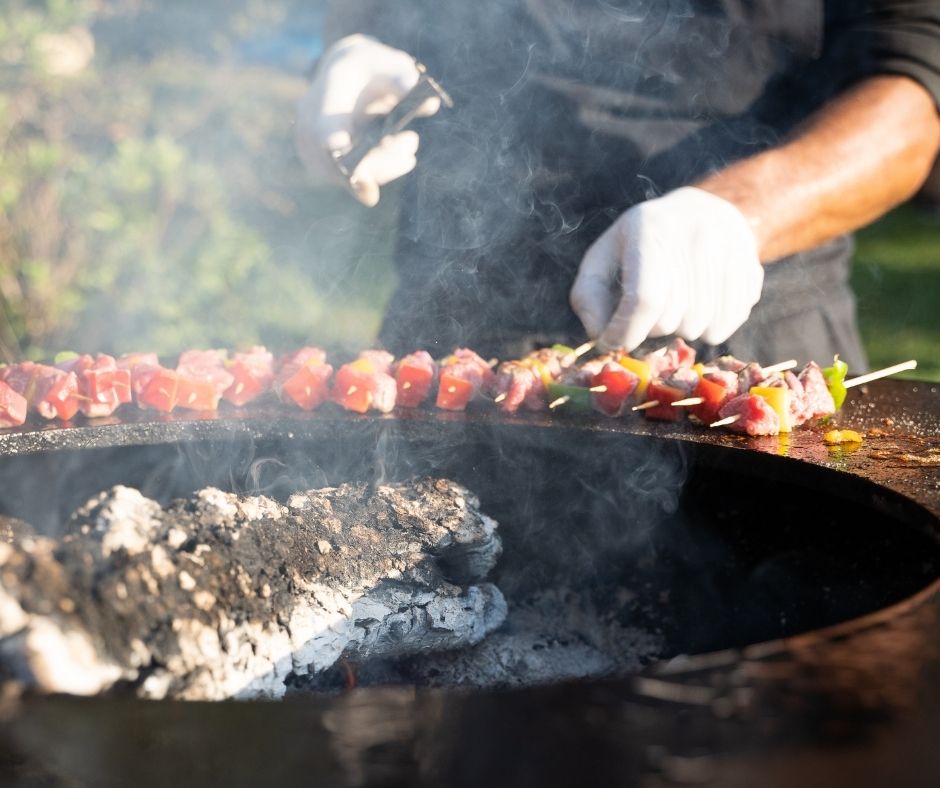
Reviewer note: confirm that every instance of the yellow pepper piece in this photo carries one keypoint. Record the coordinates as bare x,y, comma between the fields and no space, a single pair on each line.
639,368
363,365
779,400
699,368
842,436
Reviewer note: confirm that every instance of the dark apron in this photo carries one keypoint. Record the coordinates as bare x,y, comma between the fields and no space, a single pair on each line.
567,114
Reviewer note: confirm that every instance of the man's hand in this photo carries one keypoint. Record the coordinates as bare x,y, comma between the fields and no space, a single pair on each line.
686,263
357,79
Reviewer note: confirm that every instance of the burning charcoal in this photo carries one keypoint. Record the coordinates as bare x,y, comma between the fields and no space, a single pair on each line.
226,596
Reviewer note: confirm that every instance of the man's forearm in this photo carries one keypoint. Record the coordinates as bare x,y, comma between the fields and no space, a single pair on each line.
852,161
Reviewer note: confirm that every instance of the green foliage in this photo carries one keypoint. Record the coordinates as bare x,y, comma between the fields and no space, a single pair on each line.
897,278
155,202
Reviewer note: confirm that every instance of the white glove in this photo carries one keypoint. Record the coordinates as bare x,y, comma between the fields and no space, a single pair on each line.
357,79
685,263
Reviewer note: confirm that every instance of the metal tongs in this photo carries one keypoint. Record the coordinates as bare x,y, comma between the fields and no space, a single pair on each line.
397,120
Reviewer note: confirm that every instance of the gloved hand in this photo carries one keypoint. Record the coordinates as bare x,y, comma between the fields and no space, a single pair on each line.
357,79
685,263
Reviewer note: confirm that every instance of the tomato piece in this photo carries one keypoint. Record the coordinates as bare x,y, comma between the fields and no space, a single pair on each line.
714,395
414,378
13,407
157,388
620,383
304,385
665,395
352,388
454,392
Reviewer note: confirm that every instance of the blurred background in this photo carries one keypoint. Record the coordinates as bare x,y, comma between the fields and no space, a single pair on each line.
151,197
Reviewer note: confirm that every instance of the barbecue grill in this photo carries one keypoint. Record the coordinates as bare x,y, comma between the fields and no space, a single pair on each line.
793,586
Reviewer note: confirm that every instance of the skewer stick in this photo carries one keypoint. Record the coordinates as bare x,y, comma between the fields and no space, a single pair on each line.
782,366
646,405
725,421
682,403
500,397
558,402
569,358
880,373
597,389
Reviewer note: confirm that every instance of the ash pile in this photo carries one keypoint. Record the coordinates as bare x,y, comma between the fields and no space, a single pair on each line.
233,596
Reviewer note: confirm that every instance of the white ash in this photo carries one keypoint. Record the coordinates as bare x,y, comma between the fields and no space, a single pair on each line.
548,636
227,596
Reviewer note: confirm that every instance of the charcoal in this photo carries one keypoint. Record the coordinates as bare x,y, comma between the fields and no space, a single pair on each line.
227,596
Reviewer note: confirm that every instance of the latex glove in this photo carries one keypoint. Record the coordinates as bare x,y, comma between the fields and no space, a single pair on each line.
357,79
685,263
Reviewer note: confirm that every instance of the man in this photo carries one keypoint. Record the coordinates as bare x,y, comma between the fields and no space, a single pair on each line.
671,167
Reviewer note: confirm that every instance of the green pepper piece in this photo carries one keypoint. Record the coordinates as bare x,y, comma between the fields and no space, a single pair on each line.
835,378
579,398
564,349
65,355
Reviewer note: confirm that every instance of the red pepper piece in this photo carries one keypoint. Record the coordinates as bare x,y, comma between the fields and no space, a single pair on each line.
714,395
414,378
665,395
455,391
304,385
620,383
157,388
56,393
353,389
253,373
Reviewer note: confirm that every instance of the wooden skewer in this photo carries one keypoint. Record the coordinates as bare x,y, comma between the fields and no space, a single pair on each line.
569,358
682,403
880,373
557,402
782,366
725,421
597,389
646,405
581,349
500,397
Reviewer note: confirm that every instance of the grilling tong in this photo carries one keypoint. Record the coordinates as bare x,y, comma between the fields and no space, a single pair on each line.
397,120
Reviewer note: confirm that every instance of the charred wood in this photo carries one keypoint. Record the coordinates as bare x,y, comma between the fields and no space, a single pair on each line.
225,596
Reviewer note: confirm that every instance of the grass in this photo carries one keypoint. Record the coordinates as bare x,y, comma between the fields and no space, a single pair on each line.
897,279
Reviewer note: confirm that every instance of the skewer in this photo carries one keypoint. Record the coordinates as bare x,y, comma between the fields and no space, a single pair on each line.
682,403
597,389
782,366
579,351
646,405
557,402
500,397
880,373
725,421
